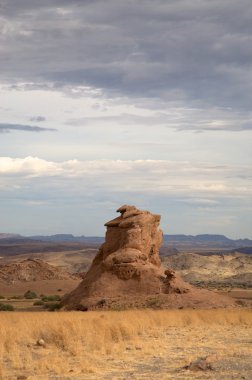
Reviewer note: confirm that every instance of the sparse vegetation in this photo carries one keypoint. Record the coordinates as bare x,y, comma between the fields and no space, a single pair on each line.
97,344
30,295
38,303
6,307
52,306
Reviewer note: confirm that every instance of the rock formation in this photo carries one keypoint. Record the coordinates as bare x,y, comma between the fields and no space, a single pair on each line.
126,271
31,270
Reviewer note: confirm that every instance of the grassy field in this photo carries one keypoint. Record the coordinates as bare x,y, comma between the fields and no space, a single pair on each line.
141,344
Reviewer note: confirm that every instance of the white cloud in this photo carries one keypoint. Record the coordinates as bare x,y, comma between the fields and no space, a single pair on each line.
147,176
28,166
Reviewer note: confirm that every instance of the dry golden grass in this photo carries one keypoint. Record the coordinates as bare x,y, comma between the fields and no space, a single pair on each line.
138,344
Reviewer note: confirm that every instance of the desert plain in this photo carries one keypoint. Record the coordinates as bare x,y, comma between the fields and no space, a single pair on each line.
136,344
116,340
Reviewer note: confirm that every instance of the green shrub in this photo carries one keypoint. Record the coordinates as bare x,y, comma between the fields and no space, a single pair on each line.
52,306
6,307
30,295
38,303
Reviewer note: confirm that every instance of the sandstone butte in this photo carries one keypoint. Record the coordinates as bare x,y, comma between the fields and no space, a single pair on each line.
127,272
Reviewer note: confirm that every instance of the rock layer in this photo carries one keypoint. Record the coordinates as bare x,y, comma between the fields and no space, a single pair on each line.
126,271
132,241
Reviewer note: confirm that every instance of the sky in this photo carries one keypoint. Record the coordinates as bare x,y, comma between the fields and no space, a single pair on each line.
104,103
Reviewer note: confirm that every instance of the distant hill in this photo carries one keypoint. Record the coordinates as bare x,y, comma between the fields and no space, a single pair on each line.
205,240
32,270
233,269
69,238
13,238
7,236
247,250
180,242
218,240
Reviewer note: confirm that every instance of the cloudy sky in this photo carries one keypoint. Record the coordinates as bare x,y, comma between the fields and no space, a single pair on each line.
106,102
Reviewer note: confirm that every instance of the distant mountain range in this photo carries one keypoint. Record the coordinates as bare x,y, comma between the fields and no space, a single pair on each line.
176,241
58,238
207,239
69,238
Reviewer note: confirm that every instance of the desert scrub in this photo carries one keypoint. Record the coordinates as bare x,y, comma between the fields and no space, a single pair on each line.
52,306
30,295
38,303
6,307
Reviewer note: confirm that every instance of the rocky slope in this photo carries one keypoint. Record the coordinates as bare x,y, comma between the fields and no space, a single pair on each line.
31,270
233,269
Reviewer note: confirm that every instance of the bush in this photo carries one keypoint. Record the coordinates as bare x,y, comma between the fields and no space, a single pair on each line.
52,306
38,303
2,297
6,307
30,295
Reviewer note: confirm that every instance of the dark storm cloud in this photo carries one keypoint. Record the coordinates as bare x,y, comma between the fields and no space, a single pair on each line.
5,127
198,49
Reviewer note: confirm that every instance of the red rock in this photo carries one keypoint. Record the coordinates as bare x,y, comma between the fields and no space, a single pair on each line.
127,270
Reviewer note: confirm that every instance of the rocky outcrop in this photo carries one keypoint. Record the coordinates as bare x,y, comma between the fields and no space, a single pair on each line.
126,271
132,241
31,270
231,269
